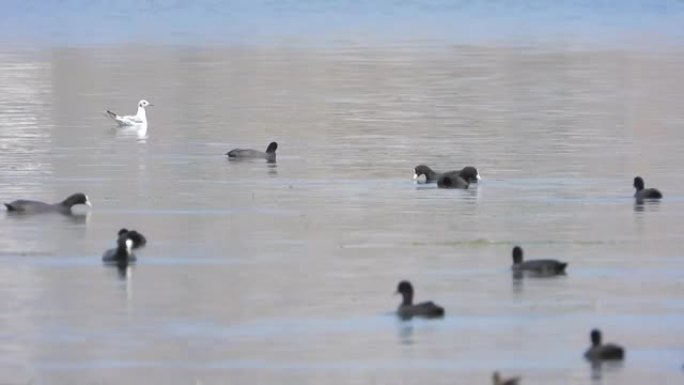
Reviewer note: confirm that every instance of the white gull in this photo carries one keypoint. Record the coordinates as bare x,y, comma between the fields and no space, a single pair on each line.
139,120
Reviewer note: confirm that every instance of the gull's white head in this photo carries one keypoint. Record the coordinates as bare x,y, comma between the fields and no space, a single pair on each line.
144,103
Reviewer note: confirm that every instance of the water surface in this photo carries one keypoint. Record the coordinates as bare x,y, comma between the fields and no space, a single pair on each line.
284,273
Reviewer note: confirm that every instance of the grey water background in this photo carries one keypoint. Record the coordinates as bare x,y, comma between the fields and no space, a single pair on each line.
283,273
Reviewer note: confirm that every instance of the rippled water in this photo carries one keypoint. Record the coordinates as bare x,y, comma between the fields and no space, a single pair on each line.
283,273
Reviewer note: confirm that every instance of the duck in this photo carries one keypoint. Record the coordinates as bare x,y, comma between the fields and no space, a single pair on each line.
139,120
545,267
240,153
645,193
468,174
600,351
497,380
138,239
122,254
407,309
25,206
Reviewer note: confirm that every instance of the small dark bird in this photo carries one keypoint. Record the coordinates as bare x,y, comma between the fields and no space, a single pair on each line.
407,309
122,254
645,193
545,267
138,239
240,153
468,174
23,206
600,352
497,380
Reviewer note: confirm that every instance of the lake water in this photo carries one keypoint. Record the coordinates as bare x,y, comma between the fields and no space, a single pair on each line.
284,273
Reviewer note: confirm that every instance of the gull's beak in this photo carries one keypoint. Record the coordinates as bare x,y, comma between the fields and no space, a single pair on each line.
150,105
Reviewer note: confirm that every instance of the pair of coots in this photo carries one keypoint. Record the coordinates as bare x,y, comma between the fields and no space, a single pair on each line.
598,351
126,242
450,179
407,309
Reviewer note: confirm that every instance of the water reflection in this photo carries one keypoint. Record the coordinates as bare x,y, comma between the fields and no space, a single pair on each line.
124,270
599,367
76,218
271,164
517,281
124,274
130,132
405,332
272,167
80,218
641,205
251,160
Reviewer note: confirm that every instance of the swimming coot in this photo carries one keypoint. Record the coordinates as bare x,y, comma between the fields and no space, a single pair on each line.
599,351
408,309
536,266
645,193
24,206
269,154
450,179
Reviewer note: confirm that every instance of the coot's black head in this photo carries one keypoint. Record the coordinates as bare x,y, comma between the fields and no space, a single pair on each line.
638,183
122,232
595,337
470,174
76,199
272,147
405,287
517,255
423,170
406,290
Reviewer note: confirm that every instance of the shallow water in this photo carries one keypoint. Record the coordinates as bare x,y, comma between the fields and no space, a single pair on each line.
283,273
